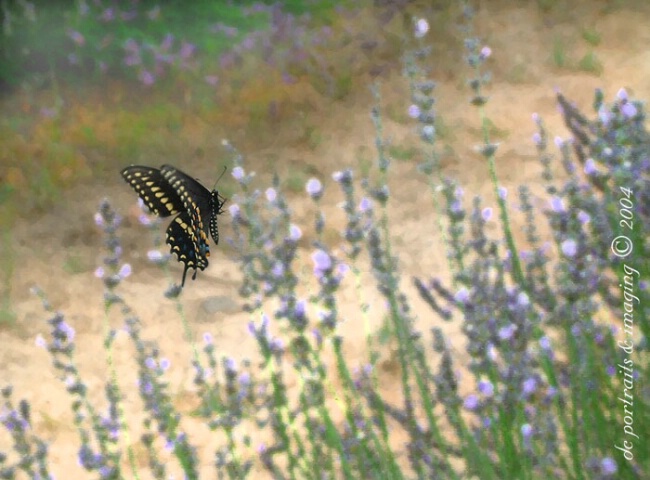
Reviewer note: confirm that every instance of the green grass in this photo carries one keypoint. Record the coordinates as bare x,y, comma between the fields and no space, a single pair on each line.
591,64
591,36
295,181
403,153
559,54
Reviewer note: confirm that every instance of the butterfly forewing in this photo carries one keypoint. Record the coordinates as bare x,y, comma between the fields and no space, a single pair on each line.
154,190
190,191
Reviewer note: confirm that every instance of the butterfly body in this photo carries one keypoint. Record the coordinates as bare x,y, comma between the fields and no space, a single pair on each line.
168,191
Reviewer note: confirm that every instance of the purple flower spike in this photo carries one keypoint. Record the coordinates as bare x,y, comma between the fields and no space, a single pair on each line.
506,333
629,110
271,195
557,204
238,173
486,388
471,402
608,466
314,188
147,78
77,38
529,386
40,341
295,233
234,210
108,15
486,52
322,262
569,247
421,28
187,50
125,271
462,295
365,205
590,167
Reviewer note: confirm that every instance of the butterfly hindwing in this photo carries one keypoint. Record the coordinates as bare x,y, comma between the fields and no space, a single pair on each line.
191,248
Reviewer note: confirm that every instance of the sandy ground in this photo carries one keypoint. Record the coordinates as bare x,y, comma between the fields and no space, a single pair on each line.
524,80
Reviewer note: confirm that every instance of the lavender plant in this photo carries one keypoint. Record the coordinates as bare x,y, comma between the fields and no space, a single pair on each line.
555,380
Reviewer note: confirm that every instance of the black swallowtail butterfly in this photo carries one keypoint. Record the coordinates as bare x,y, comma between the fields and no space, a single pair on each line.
167,191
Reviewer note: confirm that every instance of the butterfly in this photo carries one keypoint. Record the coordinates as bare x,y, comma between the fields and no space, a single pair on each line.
168,191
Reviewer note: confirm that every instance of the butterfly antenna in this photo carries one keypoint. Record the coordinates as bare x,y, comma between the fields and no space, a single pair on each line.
224,171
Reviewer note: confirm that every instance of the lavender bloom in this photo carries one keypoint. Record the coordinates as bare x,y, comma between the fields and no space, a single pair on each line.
471,402
486,214
486,388
77,38
523,299
294,233
608,466
108,15
526,430
187,50
583,217
428,133
421,28
569,247
322,262
314,188
529,386
628,110
545,343
234,210
590,167
414,111
165,363
238,173
462,296
507,332
125,271
147,78
271,194
557,205
365,205
167,42
157,257
278,269
486,52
